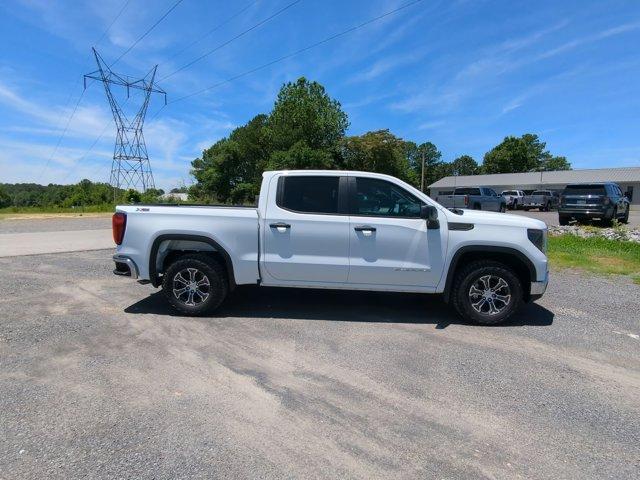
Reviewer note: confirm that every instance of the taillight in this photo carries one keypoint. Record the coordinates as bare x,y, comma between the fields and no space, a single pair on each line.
118,225
466,200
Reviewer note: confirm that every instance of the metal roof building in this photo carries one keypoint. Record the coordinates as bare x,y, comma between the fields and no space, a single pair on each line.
627,177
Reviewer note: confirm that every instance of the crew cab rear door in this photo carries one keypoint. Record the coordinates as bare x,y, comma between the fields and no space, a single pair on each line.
390,245
306,231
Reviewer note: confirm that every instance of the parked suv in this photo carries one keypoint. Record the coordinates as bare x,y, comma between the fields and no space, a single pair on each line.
589,201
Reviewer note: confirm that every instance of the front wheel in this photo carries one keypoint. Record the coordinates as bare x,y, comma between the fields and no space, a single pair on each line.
195,284
486,292
563,219
625,219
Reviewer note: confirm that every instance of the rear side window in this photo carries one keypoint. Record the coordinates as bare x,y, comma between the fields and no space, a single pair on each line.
381,198
467,191
309,194
585,189
510,192
541,192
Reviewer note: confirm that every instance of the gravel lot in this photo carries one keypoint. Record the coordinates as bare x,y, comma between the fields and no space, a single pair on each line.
551,218
100,380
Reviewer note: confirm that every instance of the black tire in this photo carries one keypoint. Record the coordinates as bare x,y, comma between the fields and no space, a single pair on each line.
563,219
205,269
515,205
526,209
471,276
476,206
608,221
503,208
625,219
546,207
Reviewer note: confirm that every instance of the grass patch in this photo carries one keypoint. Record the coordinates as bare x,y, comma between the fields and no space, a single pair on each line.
597,255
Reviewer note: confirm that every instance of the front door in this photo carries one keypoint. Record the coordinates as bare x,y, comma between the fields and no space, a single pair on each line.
389,242
306,231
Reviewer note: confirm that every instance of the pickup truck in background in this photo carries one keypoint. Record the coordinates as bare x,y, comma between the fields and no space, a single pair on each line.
543,200
514,198
475,198
337,230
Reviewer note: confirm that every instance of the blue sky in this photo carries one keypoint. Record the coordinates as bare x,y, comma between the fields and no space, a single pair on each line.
462,74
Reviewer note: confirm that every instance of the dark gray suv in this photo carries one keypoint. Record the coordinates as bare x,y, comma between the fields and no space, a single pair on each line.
589,201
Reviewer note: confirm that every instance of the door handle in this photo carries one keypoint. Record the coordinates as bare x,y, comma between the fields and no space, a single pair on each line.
281,226
366,230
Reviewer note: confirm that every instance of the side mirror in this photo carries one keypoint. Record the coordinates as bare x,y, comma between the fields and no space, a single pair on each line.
430,214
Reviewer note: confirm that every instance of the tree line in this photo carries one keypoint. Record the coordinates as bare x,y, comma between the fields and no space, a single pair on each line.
306,129
83,194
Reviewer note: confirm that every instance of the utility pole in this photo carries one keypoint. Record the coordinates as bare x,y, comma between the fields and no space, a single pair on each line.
422,181
130,167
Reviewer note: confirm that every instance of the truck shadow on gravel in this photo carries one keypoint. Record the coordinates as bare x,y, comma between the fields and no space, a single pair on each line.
335,305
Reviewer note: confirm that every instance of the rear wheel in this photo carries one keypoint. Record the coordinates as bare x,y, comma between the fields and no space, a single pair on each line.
546,207
503,208
476,206
195,284
608,221
526,209
563,219
486,292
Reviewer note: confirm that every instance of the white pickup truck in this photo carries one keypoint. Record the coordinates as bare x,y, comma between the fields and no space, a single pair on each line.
338,230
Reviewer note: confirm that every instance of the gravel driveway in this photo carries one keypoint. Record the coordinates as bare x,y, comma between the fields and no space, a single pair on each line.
100,380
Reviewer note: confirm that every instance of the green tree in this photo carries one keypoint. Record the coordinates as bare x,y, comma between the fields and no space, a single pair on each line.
555,163
432,162
304,112
380,152
520,154
464,165
303,130
231,169
5,199
132,196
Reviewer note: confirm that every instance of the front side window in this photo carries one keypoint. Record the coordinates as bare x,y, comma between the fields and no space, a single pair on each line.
381,198
309,194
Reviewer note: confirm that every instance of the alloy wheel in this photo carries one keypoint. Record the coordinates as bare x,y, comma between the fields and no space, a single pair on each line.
191,286
490,295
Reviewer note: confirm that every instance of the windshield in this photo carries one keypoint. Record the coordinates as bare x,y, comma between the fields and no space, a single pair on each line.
541,192
467,191
586,189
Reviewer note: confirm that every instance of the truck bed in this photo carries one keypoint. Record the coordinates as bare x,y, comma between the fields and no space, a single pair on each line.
234,228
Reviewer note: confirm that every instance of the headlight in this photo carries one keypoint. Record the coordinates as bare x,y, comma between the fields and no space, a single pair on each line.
538,238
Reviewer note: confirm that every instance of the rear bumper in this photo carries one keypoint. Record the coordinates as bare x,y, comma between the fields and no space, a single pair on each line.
125,266
584,213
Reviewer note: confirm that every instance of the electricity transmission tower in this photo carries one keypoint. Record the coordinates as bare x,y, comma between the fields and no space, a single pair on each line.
130,167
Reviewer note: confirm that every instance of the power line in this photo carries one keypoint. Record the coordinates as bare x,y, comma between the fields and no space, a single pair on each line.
75,108
147,32
209,32
224,44
297,52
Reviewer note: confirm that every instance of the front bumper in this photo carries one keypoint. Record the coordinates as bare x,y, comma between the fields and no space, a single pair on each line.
125,266
538,288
